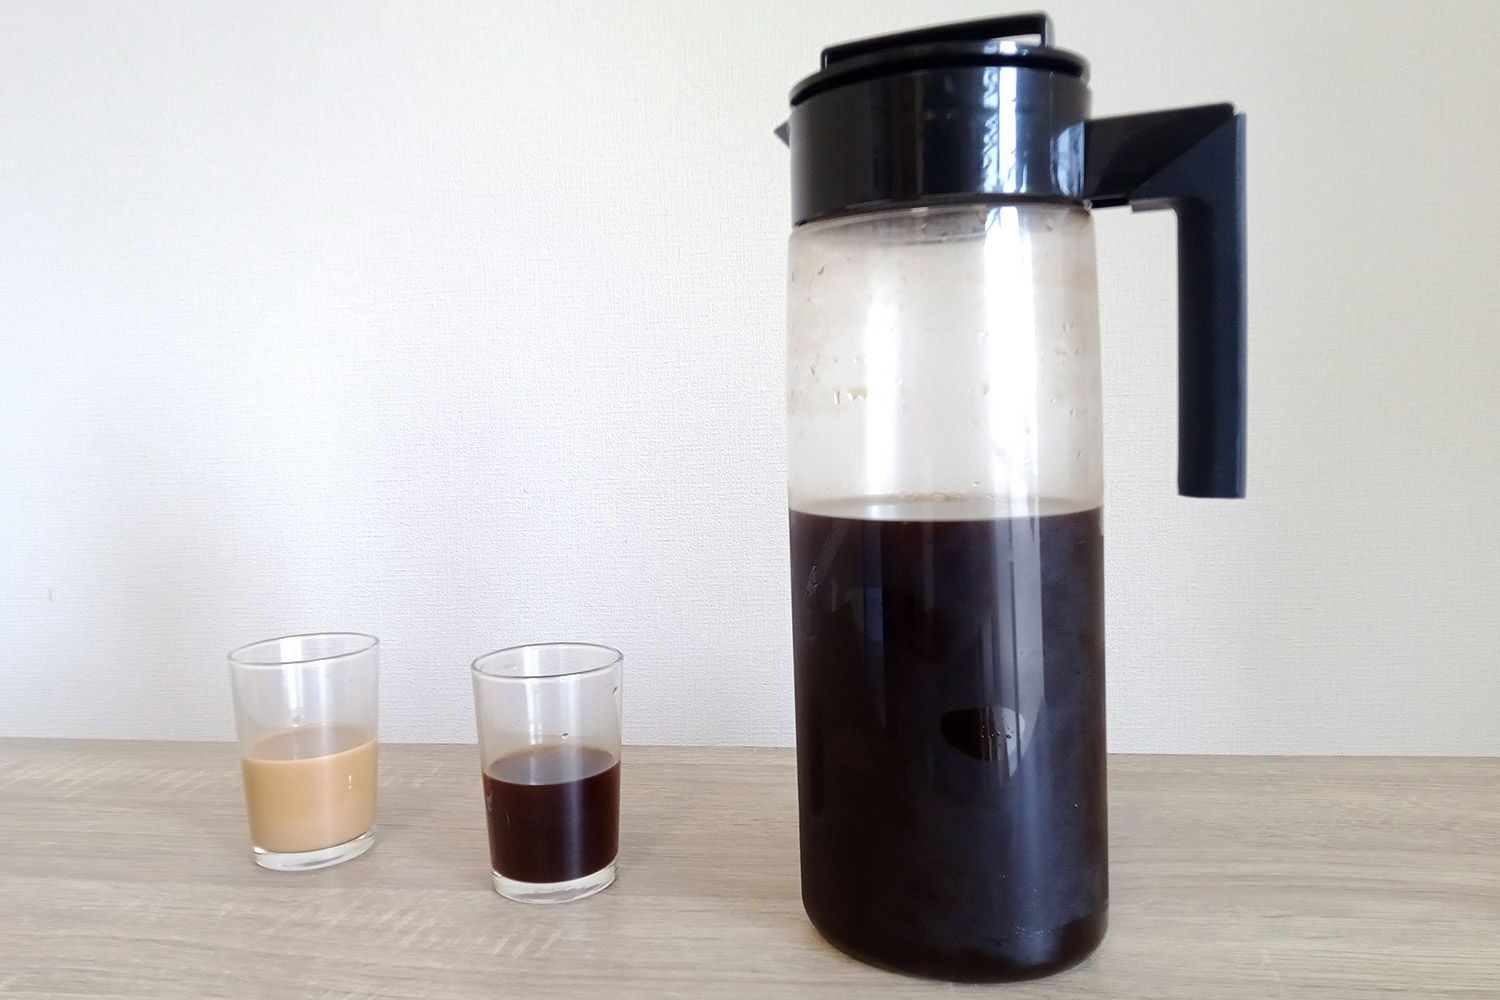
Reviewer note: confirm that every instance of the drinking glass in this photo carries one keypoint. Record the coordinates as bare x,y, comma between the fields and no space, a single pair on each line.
305,709
549,752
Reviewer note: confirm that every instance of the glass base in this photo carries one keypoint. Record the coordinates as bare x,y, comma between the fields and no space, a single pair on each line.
307,861
554,892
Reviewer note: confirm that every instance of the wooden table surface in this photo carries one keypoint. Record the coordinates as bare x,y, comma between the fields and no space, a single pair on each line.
125,872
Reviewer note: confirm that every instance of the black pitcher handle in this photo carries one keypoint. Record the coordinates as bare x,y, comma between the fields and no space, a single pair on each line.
1191,160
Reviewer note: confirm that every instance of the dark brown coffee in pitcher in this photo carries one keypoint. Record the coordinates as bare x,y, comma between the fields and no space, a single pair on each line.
950,709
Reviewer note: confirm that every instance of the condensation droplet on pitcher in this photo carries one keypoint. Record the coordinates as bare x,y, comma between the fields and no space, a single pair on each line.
565,735
1051,222
1067,327
838,397
858,392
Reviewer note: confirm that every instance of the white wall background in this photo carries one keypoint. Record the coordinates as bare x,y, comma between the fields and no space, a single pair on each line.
461,323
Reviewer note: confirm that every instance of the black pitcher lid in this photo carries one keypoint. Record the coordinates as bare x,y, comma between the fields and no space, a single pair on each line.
985,42
951,112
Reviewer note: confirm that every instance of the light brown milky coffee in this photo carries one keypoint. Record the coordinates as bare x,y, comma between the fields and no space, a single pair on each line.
310,788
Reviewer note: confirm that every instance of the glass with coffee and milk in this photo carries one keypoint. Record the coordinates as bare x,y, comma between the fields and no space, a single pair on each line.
306,709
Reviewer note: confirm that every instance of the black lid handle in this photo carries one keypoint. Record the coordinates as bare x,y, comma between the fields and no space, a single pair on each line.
1191,160
985,30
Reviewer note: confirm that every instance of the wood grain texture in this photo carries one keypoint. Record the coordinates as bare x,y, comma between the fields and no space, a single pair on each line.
125,873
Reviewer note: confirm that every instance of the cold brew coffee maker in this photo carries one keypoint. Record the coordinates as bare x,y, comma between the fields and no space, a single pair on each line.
946,477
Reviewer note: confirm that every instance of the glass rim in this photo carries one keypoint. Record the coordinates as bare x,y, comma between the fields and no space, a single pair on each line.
237,658
478,670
